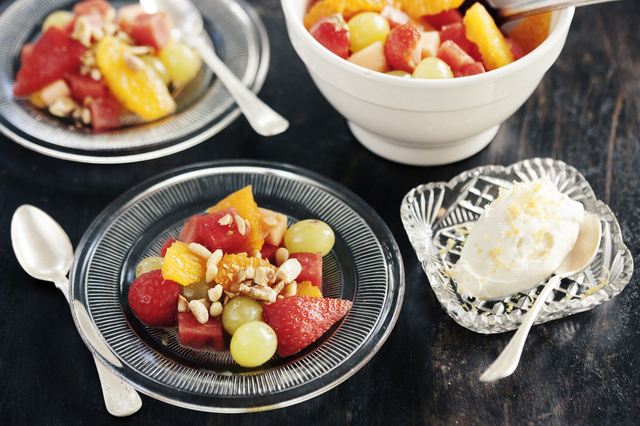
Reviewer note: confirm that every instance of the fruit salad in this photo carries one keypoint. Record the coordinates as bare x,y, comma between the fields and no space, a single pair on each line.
92,65
239,274
426,39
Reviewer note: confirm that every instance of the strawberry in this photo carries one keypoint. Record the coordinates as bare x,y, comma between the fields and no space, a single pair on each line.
299,320
402,48
153,299
333,33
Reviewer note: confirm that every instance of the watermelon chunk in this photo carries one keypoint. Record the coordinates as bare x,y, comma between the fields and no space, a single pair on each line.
54,55
268,252
311,264
454,56
473,69
190,232
447,17
82,86
166,245
105,114
457,33
217,231
395,16
151,30
26,51
196,335
87,7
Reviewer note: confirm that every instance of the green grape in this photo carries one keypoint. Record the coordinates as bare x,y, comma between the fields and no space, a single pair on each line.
157,65
58,19
195,291
366,28
149,264
399,73
238,311
432,68
181,62
253,344
309,236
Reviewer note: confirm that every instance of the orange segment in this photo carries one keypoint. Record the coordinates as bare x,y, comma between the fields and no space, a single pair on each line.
141,91
418,8
532,31
482,30
227,273
182,266
305,288
347,8
246,206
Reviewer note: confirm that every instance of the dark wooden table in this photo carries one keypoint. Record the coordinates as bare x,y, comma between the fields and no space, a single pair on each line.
579,370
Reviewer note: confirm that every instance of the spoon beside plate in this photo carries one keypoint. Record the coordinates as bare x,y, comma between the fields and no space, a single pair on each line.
44,251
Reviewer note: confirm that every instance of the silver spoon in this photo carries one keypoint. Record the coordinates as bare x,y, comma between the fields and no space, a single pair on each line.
189,25
509,10
579,258
44,251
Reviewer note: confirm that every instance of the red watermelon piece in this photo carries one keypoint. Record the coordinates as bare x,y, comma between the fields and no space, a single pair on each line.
311,264
87,7
151,30
226,237
196,335
190,232
166,245
53,56
83,85
105,114
268,252
457,33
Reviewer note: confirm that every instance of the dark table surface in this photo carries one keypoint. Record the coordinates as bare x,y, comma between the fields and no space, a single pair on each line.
579,370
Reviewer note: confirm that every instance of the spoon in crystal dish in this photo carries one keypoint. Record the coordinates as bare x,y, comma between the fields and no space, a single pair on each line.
579,258
509,10
44,251
188,28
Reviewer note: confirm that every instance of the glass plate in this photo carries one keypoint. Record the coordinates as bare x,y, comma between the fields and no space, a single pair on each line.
439,216
204,106
365,266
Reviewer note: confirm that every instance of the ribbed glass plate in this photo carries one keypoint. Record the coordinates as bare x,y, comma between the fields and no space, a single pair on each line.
364,266
438,217
204,106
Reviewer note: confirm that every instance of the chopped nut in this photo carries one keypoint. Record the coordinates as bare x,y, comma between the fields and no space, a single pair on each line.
235,267
142,50
96,74
242,228
82,30
183,304
261,275
265,294
109,15
249,273
271,221
278,287
282,255
124,37
200,310
97,33
216,309
212,273
109,29
289,270
86,115
231,294
235,287
291,289
62,107
225,220
215,258
200,250
215,293
247,225
133,62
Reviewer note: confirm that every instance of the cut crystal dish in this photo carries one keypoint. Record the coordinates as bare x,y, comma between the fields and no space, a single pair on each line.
438,217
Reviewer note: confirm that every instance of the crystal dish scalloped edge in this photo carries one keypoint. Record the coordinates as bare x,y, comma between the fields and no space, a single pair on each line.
438,216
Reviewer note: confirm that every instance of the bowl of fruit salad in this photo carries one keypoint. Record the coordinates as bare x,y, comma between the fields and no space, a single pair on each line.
423,82
193,278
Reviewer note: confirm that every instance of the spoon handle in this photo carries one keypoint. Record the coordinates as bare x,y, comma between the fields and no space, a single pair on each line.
508,360
261,117
539,6
120,399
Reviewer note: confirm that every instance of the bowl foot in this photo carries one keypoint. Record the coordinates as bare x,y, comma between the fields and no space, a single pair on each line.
398,151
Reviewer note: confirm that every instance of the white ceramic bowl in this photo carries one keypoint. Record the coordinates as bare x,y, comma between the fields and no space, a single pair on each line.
423,122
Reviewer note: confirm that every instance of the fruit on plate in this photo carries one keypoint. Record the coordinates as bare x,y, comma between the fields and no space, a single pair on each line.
154,299
333,33
219,291
299,321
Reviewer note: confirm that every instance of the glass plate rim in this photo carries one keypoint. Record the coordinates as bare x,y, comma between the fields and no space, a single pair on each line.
376,337
254,76
419,224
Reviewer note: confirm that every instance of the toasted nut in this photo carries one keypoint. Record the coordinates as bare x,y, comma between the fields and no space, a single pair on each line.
86,115
261,275
215,293
200,250
109,29
133,62
141,50
290,289
97,33
199,310
265,294
225,220
241,225
231,294
183,304
235,268
282,255
124,37
271,221
256,253
216,309
96,74
289,270
82,31
235,287
212,273
62,107
278,287
240,276
215,258
249,273
109,15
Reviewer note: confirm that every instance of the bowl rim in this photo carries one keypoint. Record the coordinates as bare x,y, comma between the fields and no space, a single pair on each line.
558,35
